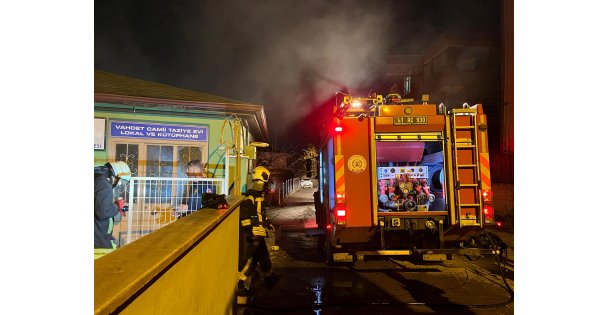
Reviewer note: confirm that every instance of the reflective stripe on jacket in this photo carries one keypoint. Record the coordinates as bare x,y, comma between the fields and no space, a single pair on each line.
253,215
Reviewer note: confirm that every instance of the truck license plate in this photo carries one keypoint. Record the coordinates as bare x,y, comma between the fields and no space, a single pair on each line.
410,120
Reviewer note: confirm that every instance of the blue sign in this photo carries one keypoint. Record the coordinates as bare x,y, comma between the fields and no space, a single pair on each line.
156,131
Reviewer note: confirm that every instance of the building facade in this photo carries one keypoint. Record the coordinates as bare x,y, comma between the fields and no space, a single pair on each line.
157,129
454,71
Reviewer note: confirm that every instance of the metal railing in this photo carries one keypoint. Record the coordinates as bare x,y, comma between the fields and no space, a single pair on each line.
156,201
287,188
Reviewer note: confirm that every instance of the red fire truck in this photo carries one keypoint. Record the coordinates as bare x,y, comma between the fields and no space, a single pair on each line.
402,178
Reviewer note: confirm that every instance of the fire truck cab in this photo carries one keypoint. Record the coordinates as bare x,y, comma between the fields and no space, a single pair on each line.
395,176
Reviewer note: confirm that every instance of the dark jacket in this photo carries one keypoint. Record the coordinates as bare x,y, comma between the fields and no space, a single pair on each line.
249,216
105,209
195,194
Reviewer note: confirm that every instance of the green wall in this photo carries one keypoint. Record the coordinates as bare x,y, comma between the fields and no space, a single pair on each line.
216,155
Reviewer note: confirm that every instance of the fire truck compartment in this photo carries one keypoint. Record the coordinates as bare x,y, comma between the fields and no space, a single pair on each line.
410,176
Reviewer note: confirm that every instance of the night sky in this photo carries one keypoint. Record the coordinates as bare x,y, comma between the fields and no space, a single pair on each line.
290,56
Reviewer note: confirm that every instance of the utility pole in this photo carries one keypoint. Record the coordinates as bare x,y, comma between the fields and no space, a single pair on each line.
237,166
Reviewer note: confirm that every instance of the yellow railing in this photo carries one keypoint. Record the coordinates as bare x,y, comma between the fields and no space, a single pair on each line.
187,267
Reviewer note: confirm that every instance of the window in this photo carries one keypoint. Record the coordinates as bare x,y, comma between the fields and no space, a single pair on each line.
158,160
128,153
185,154
159,163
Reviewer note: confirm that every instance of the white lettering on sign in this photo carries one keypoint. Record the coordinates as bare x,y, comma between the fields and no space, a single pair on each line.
151,131
156,129
129,127
177,135
131,133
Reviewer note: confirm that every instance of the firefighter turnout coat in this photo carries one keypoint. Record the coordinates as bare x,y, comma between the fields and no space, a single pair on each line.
253,214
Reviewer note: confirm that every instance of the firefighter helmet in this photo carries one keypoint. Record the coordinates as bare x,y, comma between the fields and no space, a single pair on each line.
120,170
260,173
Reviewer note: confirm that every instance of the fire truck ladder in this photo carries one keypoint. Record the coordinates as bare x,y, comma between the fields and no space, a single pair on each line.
467,173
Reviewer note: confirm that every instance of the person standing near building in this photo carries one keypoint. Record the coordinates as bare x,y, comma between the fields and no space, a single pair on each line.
255,226
193,198
106,206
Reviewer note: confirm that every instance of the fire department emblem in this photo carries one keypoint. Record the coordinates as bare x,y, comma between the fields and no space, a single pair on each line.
357,164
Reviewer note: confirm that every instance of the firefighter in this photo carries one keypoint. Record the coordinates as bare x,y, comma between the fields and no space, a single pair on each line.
255,226
106,207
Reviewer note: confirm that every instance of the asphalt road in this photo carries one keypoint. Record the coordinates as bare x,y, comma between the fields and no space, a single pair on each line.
463,285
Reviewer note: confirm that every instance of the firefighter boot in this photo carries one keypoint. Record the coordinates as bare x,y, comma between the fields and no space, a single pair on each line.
242,293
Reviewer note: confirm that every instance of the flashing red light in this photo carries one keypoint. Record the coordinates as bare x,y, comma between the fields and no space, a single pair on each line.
488,211
340,212
338,129
328,226
499,224
487,195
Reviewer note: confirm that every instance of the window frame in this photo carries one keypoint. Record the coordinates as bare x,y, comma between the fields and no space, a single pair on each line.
142,151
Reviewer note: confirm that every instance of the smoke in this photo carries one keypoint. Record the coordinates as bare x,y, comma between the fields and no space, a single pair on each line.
116,46
285,55
290,56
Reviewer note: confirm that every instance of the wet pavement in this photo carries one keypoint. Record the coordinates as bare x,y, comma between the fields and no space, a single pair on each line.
462,285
